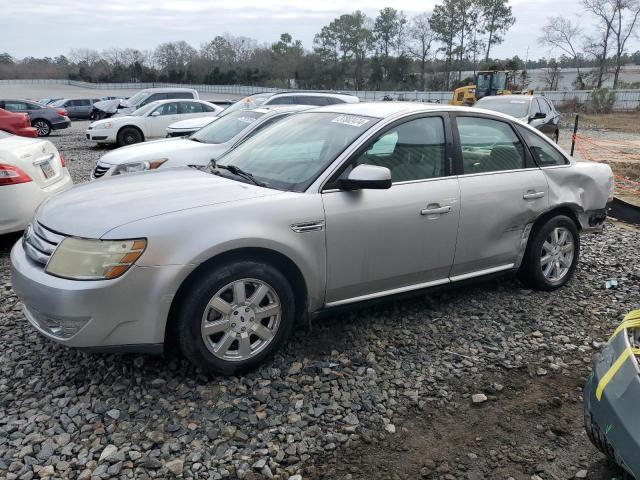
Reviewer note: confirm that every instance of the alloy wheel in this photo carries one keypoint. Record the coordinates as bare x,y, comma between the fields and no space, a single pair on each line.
557,254
42,128
241,319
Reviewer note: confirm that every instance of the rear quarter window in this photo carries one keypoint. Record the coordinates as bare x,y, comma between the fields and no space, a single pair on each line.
544,154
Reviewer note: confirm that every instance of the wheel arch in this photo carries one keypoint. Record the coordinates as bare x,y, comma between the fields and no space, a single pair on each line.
274,258
568,209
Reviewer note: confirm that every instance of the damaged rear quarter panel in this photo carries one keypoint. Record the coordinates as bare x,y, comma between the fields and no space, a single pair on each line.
583,186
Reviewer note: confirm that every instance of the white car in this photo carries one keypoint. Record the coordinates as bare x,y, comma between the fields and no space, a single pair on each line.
149,121
210,142
187,127
31,170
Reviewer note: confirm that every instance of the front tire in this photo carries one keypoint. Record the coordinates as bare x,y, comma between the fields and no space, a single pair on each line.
552,254
235,316
42,126
129,136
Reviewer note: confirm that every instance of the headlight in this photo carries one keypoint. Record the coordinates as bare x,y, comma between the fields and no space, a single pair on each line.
84,259
104,125
133,167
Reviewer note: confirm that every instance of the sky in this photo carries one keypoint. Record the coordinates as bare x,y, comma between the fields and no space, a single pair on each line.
36,28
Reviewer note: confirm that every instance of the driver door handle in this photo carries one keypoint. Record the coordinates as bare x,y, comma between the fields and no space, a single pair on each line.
436,210
531,195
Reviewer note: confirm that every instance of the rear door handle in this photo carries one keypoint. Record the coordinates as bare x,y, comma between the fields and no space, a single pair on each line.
436,210
531,195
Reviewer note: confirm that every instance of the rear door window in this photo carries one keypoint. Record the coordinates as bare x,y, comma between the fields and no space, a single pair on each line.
281,101
489,145
190,107
179,95
311,100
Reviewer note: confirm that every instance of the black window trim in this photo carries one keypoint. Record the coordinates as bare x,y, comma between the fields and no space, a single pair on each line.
458,164
329,184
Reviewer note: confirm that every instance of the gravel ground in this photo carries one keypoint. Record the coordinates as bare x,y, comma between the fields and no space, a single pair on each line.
381,392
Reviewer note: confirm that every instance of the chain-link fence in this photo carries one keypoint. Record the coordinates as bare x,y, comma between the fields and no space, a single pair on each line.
626,100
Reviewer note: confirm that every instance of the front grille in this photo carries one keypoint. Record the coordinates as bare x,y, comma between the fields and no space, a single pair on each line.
39,242
100,170
179,134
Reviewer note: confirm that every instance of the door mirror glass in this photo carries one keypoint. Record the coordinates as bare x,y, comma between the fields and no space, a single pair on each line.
537,116
366,177
155,114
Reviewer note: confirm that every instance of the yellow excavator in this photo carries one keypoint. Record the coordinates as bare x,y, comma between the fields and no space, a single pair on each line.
487,83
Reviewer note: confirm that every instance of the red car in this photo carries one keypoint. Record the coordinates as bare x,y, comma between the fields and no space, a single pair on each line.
17,123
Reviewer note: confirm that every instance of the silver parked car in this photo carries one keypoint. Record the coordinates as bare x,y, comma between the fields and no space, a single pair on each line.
328,207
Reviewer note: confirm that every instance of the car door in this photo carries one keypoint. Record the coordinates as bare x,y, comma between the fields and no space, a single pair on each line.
71,106
502,192
387,241
160,118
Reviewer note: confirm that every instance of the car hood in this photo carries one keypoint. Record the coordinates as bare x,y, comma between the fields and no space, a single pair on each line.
192,123
111,106
93,209
166,148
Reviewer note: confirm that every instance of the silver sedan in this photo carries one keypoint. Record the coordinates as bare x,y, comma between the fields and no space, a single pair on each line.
329,207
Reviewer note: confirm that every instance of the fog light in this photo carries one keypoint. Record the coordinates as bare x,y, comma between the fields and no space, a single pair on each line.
62,328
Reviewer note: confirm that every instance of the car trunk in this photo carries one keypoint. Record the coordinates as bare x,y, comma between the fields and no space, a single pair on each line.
40,160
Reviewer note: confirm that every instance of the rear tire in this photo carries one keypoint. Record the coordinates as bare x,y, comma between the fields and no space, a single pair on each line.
129,136
552,254
235,316
597,438
42,126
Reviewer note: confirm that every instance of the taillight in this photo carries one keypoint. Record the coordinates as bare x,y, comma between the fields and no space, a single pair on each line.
27,122
62,162
61,111
10,175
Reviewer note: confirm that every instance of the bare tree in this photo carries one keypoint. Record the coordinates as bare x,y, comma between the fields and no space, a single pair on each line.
560,33
420,38
598,46
625,24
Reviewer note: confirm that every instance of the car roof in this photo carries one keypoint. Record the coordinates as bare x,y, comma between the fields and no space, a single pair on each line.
171,100
282,108
508,97
167,89
389,109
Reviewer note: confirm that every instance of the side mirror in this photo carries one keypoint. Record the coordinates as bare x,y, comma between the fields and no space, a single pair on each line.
537,116
366,177
155,114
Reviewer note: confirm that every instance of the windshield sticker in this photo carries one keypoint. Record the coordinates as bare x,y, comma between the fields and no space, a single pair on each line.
351,120
246,119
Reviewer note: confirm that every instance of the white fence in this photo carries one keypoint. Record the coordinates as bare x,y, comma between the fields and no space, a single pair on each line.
626,100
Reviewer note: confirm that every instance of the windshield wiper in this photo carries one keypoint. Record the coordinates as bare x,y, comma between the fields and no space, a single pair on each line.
236,171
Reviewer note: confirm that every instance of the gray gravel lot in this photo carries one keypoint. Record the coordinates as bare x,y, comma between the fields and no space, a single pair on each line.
383,392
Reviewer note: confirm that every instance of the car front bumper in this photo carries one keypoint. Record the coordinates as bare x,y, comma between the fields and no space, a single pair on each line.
127,313
18,203
611,402
102,135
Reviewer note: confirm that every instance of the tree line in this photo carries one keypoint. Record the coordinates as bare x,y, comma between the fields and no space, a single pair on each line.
603,44
391,51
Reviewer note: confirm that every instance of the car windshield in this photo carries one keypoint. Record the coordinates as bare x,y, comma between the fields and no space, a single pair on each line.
57,103
291,153
224,129
138,98
250,102
515,107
